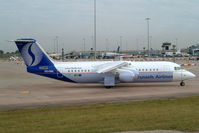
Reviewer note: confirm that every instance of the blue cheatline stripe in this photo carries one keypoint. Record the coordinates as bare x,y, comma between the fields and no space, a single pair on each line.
54,75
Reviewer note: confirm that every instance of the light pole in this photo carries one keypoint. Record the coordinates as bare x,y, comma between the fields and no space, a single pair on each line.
137,44
176,43
84,45
95,29
107,45
148,37
54,40
150,43
121,44
57,43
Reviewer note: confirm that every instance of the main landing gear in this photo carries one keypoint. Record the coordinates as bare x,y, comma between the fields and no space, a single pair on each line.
108,87
182,83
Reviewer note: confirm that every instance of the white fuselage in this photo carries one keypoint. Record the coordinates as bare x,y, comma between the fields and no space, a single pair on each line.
84,72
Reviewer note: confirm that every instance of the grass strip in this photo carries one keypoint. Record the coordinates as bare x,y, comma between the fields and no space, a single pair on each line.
167,114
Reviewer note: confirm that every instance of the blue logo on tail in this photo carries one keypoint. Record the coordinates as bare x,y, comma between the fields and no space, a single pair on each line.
32,53
37,61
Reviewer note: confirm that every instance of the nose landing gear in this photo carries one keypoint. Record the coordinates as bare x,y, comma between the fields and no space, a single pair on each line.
182,83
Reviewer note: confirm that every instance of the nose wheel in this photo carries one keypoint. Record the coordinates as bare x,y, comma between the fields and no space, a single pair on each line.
182,83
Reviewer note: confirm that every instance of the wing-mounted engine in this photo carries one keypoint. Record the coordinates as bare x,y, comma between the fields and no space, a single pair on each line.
115,72
127,75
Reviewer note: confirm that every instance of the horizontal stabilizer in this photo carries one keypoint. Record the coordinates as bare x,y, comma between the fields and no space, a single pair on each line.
25,40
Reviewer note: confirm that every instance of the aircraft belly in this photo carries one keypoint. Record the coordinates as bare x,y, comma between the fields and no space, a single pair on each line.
85,78
155,77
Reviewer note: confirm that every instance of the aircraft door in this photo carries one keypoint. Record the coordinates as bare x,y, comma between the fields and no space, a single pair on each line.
177,74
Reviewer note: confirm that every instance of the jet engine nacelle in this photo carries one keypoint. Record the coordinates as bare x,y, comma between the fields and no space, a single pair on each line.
128,76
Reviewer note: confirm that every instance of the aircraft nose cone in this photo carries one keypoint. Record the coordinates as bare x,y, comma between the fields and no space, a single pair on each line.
191,75
187,75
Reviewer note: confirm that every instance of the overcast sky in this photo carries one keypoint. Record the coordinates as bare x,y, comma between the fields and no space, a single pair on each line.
72,20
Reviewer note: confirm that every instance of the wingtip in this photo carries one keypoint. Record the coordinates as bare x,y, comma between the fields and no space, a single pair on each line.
10,40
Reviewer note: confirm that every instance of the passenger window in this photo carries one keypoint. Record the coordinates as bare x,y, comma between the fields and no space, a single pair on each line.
71,70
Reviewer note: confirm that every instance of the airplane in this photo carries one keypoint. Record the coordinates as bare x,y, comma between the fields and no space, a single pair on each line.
108,73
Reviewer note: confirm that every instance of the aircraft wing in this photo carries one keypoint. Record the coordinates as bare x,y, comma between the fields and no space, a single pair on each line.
110,66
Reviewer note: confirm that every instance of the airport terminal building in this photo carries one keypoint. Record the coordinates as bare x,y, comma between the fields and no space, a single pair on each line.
194,50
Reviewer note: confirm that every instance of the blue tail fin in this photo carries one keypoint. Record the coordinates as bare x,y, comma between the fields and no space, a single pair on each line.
32,53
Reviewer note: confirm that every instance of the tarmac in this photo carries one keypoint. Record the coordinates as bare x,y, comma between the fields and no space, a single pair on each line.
21,90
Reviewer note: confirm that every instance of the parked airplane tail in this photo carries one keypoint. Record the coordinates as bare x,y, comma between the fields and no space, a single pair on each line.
32,53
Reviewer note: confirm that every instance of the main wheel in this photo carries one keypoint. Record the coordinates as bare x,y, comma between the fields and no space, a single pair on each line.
108,87
182,83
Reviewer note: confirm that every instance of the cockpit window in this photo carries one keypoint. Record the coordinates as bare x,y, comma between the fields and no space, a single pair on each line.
178,68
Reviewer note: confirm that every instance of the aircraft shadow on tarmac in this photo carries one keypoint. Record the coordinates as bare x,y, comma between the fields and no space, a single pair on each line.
120,86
